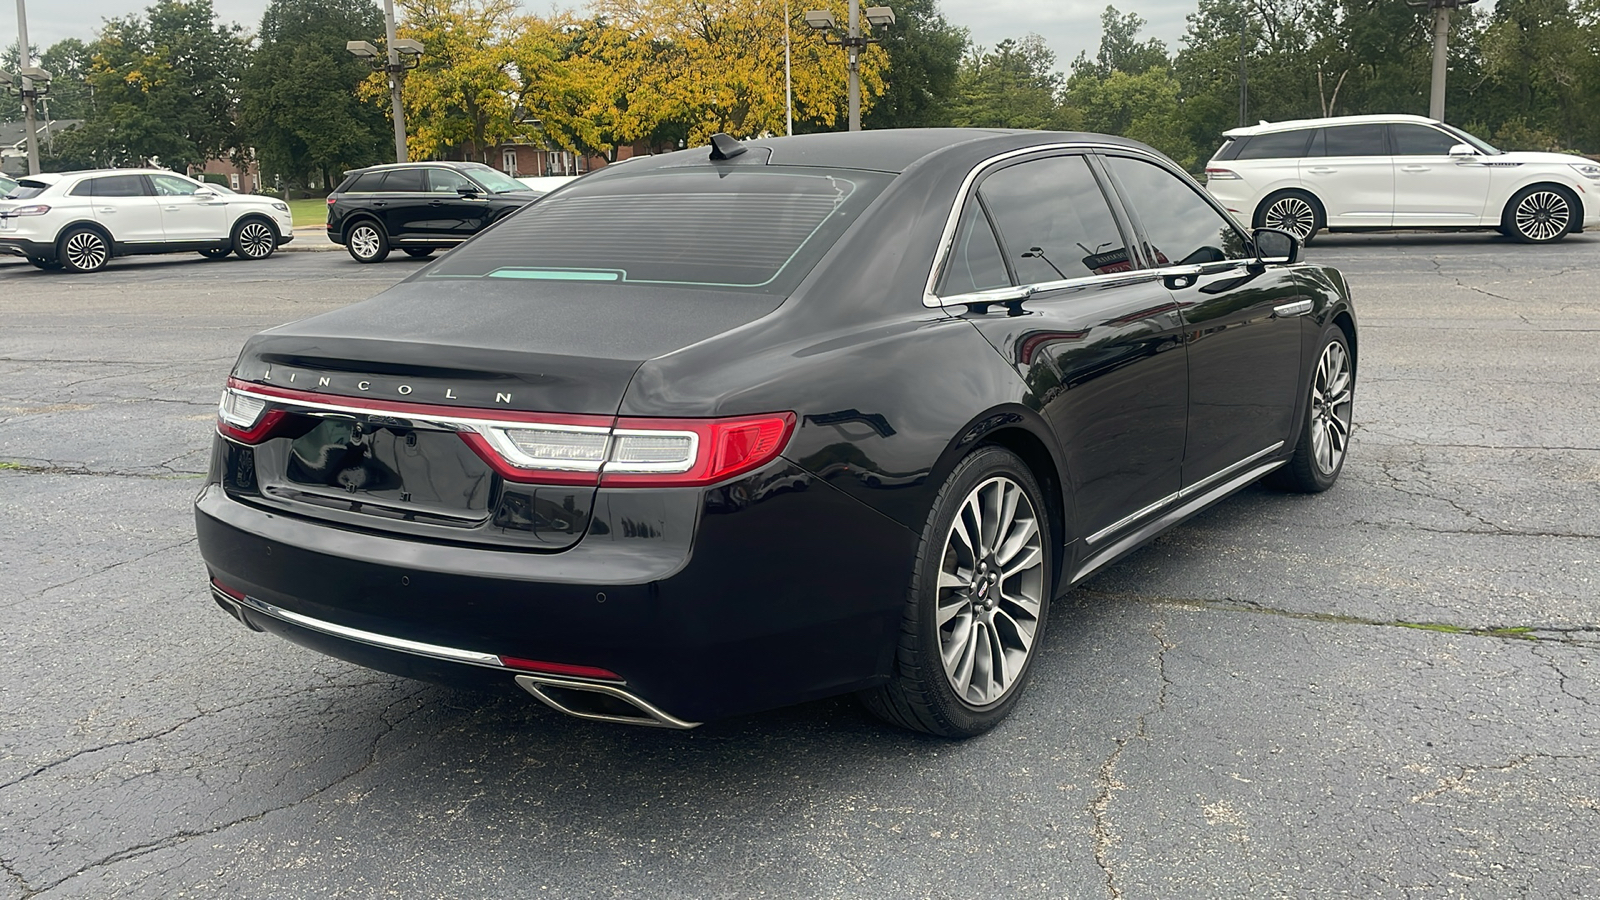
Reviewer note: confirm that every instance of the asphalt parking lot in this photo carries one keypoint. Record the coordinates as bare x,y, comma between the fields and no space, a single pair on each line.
1388,690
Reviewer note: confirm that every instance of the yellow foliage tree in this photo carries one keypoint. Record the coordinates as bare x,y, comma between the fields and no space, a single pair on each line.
717,65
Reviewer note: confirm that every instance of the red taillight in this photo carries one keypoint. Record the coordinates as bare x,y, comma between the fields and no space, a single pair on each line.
1215,174
237,595
550,668
723,449
548,448
331,198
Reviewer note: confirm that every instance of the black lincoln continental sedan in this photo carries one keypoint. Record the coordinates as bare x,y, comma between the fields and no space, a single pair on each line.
741,426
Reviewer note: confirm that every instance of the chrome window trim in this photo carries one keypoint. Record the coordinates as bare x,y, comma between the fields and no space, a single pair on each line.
1184,493
930,295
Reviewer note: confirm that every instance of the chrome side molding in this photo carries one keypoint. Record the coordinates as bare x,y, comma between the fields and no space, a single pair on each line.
1289,310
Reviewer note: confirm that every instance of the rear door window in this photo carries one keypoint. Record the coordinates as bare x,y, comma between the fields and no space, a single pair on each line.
1277,145
1354,140
1180,226
757,229
120,186
404,181
1054,221
1420,140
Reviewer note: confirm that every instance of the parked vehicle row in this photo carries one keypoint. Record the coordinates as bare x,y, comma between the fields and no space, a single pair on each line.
1382,172
80,221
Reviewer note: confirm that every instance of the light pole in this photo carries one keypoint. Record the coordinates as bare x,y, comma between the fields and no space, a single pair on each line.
1441,51
401,54
35,84
853,41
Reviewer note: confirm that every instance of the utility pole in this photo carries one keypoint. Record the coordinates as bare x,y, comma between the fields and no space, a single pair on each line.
400,154
29,95
1441,49
788,80
1244,78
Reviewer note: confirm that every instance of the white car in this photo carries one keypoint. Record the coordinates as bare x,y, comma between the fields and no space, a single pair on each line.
1378,172
79,220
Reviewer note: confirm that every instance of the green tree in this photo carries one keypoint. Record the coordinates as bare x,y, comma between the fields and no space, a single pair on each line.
925,54
1120,48
298,103
1015,85
164,87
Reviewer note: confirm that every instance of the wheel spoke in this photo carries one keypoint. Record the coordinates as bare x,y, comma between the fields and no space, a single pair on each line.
1022,532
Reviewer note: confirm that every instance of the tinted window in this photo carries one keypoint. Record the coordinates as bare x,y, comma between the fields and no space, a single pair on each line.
1053,220
756,228
1354,140
1228,150
1420,140
448,181
1181,227
119,186
1279,145
404,181
26,190
172,186
367,183
975,262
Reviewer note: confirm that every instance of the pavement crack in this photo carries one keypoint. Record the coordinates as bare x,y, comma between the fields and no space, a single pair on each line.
100,571
1106,782
29,466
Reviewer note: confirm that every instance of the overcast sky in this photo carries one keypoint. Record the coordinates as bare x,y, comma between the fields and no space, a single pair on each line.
1066,25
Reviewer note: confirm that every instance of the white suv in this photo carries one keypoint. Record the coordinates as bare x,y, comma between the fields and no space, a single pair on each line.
79,220
1375,172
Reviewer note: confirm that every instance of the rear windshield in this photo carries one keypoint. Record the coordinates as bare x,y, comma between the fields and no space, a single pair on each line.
26,190
757,229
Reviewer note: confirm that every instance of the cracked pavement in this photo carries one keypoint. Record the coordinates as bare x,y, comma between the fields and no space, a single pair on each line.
1388,690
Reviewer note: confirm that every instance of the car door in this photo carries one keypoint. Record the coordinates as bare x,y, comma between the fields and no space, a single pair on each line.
1349,169
127,206
1244,322
1099,343
188,212
460,206
402,204
1430,188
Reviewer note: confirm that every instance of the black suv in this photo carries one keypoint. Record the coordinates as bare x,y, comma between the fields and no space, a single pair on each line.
419,207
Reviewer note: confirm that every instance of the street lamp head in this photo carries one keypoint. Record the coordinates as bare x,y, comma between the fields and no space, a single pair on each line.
35,73
408,47
880,16
821,20
7,78
361,49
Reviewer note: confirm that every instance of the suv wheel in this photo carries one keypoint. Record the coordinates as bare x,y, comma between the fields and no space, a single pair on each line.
84,250
1293,211
366,242
1538,215
254,239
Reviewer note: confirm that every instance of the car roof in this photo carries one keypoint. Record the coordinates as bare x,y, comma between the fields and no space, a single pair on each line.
53,177
444,163
889,150
1292,124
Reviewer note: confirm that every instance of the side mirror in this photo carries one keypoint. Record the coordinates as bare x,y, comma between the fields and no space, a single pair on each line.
1274,245
205,194
471,191
1462,151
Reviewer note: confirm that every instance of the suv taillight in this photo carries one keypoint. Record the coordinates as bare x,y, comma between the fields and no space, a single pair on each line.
1215,174
547,448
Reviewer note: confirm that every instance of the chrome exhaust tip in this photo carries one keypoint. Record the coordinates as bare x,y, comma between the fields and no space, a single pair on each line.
598,702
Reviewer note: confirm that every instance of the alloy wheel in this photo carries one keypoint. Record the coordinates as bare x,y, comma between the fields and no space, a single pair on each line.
1292,214
1543,216
256,241
1331,393
364,241
990,591
85,251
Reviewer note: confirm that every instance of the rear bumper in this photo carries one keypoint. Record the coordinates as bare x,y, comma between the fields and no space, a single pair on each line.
24,247
776,600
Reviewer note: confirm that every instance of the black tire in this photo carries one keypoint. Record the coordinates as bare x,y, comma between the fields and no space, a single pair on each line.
367,242
419,252
83,249
49,265
1540,214
1323,439
1289,210
216,252
990,607
254,238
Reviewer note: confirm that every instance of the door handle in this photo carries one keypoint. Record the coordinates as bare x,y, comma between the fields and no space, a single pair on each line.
1413,168
1321,170
380,203
108,209
435,202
